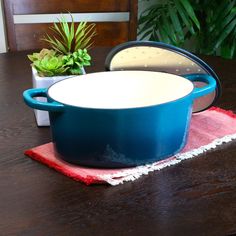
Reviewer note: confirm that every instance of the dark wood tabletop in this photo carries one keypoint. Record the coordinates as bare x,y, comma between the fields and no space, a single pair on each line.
195,197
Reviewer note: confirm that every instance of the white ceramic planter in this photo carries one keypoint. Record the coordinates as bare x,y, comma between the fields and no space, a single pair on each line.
42,117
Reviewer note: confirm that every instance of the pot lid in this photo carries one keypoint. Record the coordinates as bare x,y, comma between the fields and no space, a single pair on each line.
157,56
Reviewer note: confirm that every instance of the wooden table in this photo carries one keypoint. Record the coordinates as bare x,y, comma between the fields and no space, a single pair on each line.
195,197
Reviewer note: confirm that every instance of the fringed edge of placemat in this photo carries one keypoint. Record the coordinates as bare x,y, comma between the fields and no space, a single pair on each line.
133,174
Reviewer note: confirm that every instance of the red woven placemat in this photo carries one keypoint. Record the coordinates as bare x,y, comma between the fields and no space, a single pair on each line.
208,129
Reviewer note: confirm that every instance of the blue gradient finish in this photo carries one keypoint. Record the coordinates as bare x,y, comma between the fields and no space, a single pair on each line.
114,138
121,137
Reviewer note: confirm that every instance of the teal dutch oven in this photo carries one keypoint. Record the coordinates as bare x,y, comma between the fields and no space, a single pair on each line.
120,118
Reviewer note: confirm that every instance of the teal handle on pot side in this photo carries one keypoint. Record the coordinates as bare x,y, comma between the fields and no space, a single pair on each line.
209,80
29,95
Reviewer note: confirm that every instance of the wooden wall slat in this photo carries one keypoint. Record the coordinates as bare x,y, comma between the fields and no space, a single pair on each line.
30,39
109,34
58,6
133,22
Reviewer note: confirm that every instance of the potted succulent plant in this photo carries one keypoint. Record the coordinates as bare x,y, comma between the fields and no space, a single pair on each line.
67,56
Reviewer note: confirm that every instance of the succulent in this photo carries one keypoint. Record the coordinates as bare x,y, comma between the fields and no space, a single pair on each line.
40,55
68,38
48,63
69,49
76,60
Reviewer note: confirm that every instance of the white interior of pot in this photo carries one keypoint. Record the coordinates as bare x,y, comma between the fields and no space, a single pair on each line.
120,89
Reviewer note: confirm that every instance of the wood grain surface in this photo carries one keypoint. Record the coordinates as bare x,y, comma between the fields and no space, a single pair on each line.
55,6
195,197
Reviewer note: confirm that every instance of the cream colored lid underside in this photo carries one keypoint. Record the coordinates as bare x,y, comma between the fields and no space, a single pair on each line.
154,59
120,89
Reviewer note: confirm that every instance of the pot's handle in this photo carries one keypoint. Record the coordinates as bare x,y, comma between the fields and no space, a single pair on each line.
29,95
209,80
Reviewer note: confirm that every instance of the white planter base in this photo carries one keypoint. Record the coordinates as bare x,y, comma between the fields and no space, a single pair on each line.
42,117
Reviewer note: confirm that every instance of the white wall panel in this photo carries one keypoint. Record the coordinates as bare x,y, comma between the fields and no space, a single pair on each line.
2,31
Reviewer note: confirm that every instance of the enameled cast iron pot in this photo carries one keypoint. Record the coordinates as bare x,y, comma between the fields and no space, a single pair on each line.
120,118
